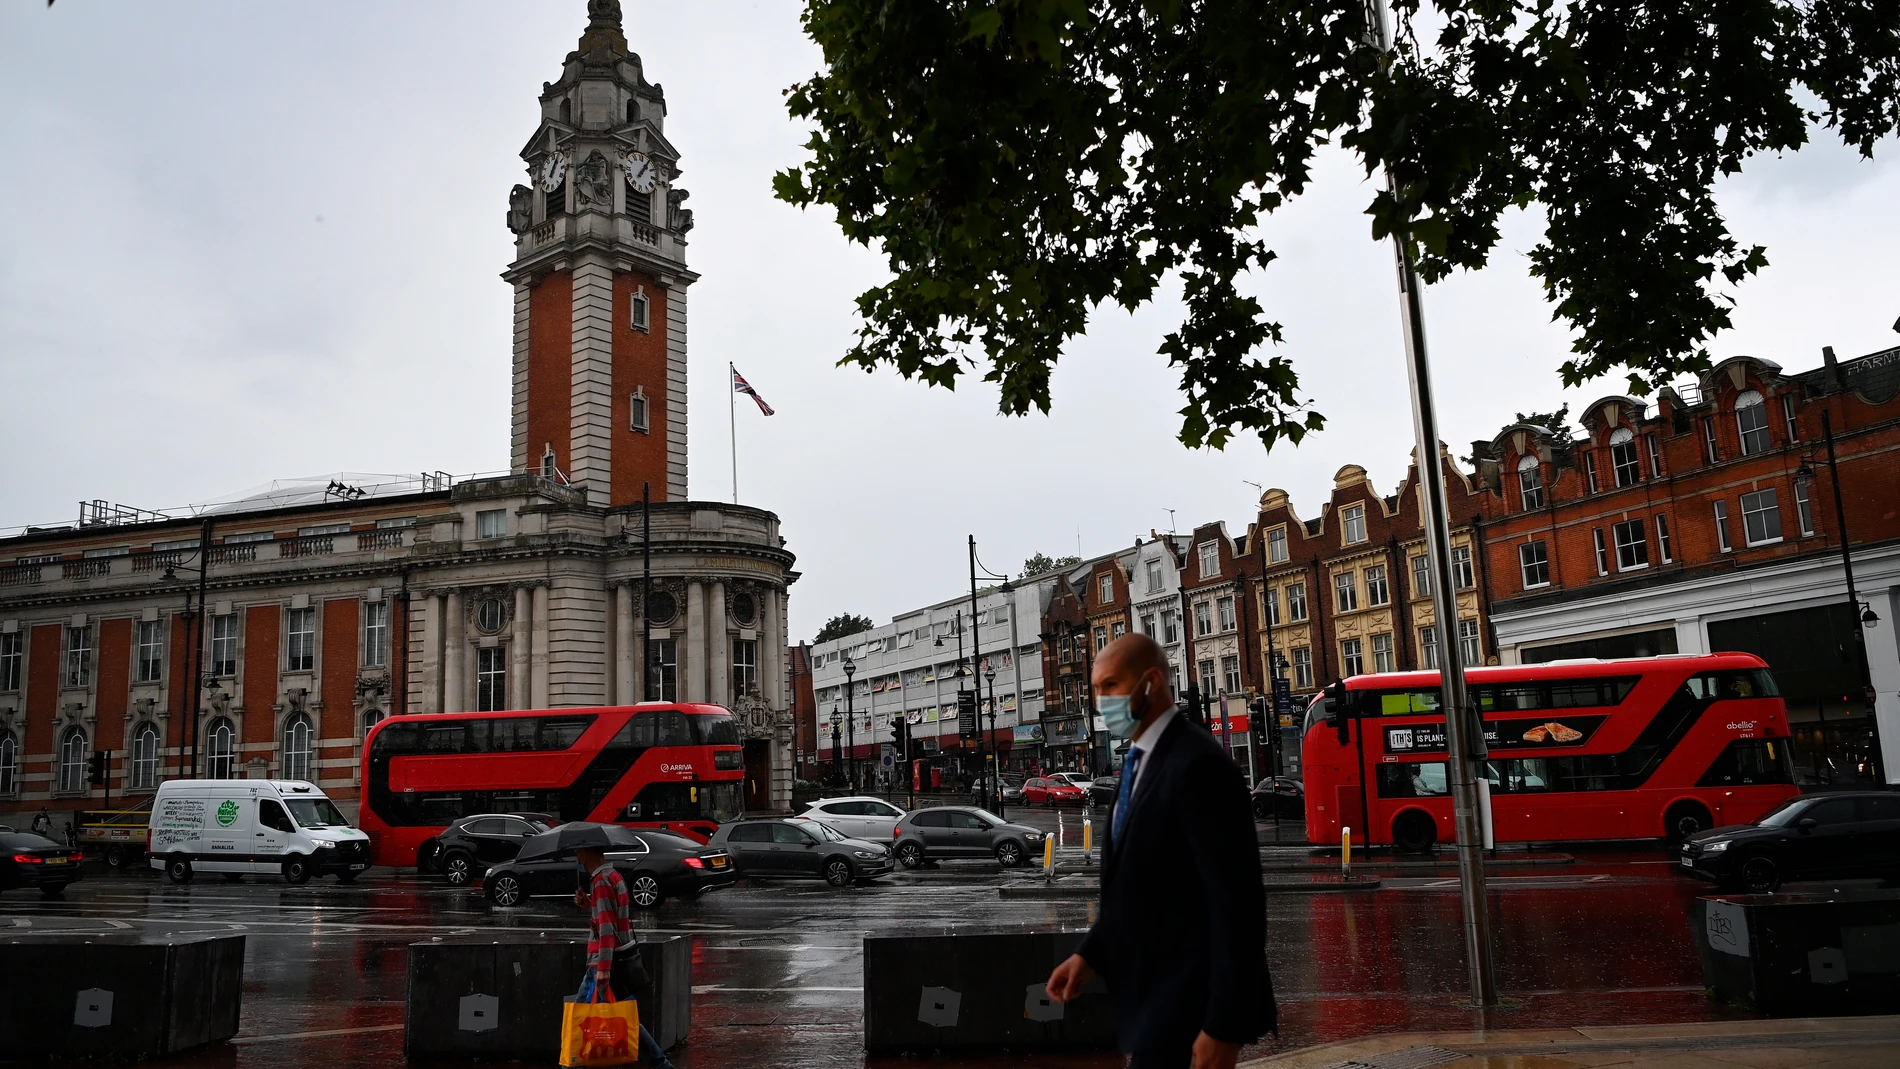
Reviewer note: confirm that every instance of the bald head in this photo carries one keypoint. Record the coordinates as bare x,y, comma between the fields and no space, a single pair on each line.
1137,666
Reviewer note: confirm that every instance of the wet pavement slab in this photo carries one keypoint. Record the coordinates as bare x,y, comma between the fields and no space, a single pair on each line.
777,966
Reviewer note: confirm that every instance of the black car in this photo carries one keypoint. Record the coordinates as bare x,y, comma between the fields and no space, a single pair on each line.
799,847
28,860
1814,836
655,864
429,855
1103,789
471,845
1281,795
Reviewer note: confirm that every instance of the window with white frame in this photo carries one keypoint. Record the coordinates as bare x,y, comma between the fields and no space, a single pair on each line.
1662,540
12,660
1210,683
1468,642
1721,527
1382,653
1224,611
1803,513
1148,624
491,523
300,651
1421,576
1461,572
1230,674
1210,559
1351,658
149,652
639,306
549,468
1107,588
1118,628
72,761
298,747
1603,553
1302,668
1655,457
745,667
1789,418
79,656
1623,459
1154,576
1296,602
144,764
1203,619
1345,593
1632,545
1761,517
1353,523
663,671
1751,420
375,633
491,679
224,637
1270,605
637,411
1533,563
1530,484
1376,592
1428,646
1590,471
1170,626
9,764
1708,440
1276,546
1101,639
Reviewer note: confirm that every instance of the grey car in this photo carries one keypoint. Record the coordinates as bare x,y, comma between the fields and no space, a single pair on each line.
949,831
798,847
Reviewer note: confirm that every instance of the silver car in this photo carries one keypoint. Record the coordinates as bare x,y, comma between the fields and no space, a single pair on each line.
859,816
948,831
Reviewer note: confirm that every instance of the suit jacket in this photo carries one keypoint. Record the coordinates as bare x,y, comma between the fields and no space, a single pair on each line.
1181,937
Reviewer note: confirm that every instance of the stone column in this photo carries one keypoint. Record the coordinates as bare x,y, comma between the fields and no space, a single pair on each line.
519,665
771,651
452,653
624,671
718,647
691,653
430,676
538,638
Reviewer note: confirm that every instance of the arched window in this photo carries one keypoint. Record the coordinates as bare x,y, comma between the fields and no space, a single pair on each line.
1751,418
1623,457
219,749
145,757
372,717
296,764
1530,484
633,110
72,760
567,110
9,763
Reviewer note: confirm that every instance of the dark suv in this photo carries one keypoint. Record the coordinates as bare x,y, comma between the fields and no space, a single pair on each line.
1814,836
473,845
800,847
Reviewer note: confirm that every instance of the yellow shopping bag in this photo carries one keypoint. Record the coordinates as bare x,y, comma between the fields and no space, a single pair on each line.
597,1030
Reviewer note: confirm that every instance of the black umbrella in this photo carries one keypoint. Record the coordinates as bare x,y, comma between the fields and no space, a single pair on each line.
581,835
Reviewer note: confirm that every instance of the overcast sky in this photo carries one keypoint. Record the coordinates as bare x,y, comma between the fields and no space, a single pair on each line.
253,241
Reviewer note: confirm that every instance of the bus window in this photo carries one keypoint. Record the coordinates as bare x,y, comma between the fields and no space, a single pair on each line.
1316,715
670,729
1407,702
1749,761
1413,780
715,729
448,738
559,733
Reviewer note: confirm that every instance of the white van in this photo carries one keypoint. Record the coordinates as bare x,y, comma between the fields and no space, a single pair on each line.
240,826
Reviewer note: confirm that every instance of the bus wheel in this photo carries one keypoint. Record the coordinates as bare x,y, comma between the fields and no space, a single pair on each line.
1414,832
1686,819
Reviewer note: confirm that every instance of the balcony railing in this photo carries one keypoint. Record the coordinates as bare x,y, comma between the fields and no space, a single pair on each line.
385,538
85,569
306,546
158,561
19,574
234,554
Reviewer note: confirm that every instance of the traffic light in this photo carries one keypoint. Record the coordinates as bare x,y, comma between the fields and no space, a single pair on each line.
1337,711
96,769
900,734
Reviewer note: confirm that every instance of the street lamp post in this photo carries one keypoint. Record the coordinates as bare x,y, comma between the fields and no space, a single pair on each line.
1863,615
850,721
836,740
996,773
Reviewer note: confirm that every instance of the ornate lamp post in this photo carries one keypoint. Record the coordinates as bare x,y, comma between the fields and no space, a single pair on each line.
850,721
836,738
996,771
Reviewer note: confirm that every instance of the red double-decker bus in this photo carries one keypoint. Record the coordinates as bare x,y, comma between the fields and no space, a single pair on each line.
669,766
1578,750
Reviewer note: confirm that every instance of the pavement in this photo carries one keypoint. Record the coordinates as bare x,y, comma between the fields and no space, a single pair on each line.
1599,942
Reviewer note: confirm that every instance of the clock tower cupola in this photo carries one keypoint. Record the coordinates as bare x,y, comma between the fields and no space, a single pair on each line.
600,280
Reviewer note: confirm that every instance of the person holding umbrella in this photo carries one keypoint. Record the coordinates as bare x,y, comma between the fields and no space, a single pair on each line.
613,962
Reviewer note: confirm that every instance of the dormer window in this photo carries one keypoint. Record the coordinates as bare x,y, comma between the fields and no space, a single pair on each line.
1530,484
1354,517
639,310
1623,459
1751,418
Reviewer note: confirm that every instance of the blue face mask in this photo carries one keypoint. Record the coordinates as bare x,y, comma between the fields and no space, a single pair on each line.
1118,713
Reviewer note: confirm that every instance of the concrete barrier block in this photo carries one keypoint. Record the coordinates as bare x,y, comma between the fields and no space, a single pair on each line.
1802,953
965,992
119,996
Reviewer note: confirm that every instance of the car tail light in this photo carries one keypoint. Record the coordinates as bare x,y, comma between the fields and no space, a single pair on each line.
28,859
79,855
897,832
695,863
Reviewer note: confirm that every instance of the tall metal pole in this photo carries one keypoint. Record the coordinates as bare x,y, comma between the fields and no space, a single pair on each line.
976,668
851,726
1853,595
732,424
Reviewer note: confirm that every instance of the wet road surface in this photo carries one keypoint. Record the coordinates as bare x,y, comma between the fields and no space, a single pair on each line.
777,966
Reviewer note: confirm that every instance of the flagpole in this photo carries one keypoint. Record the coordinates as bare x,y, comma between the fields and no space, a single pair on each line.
732,424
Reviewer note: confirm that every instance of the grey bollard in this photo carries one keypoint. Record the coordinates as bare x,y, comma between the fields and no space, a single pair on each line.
117,996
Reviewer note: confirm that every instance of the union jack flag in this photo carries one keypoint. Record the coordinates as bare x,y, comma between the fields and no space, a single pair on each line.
740,384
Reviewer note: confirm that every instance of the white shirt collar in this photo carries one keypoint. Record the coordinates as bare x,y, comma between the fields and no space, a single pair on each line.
1151,734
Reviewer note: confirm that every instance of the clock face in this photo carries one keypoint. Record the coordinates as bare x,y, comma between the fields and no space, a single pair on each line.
641,174
553,172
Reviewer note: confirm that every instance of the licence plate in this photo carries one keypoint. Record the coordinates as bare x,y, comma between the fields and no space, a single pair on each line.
1689,861
353,868
719,862
57,860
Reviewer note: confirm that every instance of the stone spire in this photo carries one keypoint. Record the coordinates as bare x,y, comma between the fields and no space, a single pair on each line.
603,42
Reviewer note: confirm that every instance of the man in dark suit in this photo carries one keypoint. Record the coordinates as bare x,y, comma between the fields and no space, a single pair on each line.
1181,938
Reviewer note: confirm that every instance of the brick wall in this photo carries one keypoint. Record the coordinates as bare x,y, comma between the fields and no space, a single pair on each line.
639,361
550,369
263,625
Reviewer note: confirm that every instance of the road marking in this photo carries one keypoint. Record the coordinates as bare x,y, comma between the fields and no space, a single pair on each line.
721,989
318,1034
118,924
22,922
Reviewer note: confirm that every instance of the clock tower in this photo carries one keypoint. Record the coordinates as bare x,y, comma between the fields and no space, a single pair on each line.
600,280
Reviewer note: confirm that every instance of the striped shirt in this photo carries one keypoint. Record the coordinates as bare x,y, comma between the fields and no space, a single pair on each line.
610,925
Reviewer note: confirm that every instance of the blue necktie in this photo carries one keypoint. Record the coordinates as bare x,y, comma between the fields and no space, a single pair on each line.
1127,789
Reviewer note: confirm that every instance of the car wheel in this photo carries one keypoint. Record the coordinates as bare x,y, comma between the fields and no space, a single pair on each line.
297,869
178,870
233,877
644,891
1686,819
1760,875
503,890
910,855
52,890
1010,853
458,868
838,872
1414,832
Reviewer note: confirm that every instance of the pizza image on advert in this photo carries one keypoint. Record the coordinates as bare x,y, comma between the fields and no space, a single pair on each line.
1540,733
1552,732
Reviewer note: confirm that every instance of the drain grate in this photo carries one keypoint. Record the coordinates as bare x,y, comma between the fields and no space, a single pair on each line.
1409,1058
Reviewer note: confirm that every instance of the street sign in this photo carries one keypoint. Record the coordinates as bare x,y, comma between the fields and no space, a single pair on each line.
1282,690
966,713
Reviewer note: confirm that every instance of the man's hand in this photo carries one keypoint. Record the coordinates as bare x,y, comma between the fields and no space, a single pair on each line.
1211,1053
1066,982
580,899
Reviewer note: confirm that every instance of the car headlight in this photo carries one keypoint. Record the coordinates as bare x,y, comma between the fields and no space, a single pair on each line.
1033,836
326,846
1715,847
865,853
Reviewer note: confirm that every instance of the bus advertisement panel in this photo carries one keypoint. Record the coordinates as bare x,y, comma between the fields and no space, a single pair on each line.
1578,750
671,766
